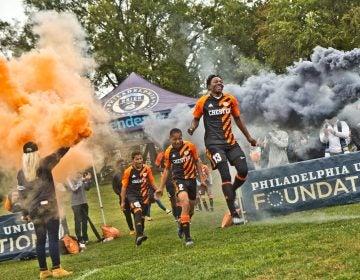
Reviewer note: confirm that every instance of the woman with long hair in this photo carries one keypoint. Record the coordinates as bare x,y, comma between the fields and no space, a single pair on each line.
37,192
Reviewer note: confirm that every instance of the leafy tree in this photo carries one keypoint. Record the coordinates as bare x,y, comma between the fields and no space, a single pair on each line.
147,37
289,30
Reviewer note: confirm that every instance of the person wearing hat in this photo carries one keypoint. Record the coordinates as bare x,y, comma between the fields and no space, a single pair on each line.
38,199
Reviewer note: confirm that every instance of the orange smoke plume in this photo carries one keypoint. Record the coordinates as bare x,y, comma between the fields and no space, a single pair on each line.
45,96
72,127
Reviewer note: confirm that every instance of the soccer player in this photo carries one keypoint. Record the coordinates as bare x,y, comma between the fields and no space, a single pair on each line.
221,146
136,183
182,157
175,205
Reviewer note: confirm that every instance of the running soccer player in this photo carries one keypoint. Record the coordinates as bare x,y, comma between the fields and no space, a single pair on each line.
175,205
136,183
182,157
221,146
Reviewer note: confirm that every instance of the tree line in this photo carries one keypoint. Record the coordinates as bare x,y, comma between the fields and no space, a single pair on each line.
177,43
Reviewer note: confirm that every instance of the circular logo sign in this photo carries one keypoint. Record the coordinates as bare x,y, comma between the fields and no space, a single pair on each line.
131,101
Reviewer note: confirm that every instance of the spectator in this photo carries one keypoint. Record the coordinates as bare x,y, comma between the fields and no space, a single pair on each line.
205,189
12,203
61,191
335,135
78,186
277,141
153,199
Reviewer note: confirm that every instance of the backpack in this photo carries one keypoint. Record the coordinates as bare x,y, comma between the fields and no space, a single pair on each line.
69,245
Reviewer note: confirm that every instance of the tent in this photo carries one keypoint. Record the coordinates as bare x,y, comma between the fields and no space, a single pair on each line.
130,102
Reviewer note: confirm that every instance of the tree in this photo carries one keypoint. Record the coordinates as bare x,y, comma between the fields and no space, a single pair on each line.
147,37
290,30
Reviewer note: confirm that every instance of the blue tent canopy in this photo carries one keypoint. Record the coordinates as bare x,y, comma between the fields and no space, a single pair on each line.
135,98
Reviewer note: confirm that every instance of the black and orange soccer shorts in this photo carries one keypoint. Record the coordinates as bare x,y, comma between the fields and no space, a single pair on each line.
224,153
188,185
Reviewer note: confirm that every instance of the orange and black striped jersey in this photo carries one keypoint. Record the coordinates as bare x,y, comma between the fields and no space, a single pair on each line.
137,182
217,118
182,161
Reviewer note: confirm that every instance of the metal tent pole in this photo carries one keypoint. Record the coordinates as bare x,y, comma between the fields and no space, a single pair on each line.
98,193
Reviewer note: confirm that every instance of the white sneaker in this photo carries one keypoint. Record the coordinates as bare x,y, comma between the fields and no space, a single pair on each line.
149,219
237,220
189,242
168,211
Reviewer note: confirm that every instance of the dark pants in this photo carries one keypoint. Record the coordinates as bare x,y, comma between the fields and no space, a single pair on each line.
80,217
50,226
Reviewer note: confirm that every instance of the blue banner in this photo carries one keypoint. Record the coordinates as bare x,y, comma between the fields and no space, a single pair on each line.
17,239
302,186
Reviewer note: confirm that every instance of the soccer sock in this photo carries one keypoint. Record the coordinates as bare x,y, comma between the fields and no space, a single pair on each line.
238,181
205,205
229,195
138,222
185,225
211,202
129,220
178,210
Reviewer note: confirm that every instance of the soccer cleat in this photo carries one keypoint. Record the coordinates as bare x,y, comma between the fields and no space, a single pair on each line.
60,272
180,233
149,219
132,232
168,211
140,239
236,220
45,274
189,242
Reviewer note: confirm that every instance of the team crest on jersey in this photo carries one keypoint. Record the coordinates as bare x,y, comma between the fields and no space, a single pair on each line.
132,100
173,155
210,105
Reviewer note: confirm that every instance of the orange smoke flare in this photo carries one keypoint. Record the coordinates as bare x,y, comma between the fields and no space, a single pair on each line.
72,127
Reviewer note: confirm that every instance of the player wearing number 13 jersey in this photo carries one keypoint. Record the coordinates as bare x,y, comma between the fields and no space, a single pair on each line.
136,183
182,159
217,108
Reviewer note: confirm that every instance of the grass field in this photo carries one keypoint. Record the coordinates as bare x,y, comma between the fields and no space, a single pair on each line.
321,244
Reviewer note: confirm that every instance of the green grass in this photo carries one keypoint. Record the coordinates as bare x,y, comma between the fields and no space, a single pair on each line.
321,244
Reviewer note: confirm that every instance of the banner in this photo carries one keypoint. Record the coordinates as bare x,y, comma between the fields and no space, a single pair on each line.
302,186
17,239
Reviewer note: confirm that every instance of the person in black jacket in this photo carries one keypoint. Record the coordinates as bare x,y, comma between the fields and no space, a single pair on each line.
37,193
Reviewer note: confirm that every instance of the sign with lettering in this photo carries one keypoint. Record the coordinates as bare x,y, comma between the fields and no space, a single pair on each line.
302,186
135,100
17,239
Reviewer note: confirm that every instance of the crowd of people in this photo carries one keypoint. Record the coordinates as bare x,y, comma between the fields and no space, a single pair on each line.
185,177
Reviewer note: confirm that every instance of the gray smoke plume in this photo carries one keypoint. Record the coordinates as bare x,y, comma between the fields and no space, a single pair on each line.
157,127
328,85
307,94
